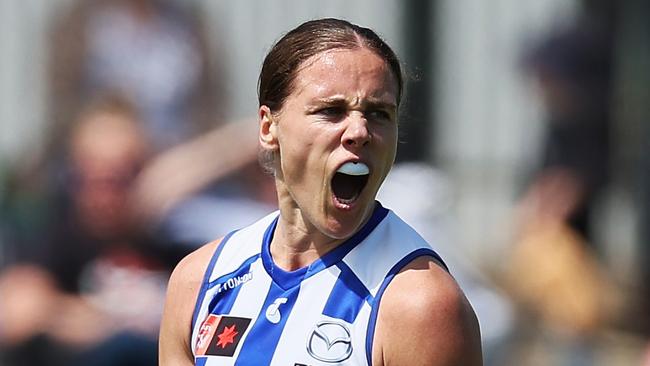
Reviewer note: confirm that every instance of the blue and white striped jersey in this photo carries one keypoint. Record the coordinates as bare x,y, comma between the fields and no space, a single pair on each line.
250,312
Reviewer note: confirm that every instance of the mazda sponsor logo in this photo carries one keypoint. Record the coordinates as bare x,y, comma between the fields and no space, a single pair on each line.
330,342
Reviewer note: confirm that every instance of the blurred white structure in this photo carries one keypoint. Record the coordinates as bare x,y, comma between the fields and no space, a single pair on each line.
488,119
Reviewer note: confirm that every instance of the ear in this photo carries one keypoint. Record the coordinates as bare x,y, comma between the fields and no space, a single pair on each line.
268,129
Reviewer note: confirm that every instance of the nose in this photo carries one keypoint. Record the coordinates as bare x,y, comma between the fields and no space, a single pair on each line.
356,133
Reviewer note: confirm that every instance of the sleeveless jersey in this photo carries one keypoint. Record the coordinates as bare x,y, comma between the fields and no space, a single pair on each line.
251,312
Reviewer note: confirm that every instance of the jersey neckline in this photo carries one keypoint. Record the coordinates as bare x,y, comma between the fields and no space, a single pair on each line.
289,279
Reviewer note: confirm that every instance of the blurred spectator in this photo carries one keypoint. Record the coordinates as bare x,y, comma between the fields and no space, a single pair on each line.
155,52
554,270
573,68
201,189
95,279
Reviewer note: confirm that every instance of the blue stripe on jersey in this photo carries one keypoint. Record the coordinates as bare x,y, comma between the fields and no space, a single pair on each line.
206,278
347,296
370,334
229,287
287,280
262,340
200,361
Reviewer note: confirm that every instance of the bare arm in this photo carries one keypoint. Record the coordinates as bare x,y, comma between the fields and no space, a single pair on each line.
182,292
187,168
425,319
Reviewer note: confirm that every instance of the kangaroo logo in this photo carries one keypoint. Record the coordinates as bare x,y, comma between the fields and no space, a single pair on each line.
273,311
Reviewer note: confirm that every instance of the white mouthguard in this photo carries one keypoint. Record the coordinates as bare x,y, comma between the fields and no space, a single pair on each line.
351,168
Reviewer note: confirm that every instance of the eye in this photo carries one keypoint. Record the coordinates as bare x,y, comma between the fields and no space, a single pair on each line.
331,111
378,114
332,114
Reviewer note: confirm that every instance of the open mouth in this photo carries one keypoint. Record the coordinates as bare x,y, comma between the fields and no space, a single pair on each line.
348,182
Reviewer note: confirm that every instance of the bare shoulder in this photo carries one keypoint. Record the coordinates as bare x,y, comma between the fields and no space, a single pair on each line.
425,319
190,270
182,292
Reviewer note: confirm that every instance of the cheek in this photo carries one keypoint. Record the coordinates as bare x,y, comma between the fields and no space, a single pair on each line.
294,155
302,161
299,142
305,157
386,150
386,140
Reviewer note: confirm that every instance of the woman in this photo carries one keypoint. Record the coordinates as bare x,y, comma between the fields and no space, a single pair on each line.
333,278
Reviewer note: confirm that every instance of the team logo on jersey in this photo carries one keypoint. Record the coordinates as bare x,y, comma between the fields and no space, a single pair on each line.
330,342
273,311
220,335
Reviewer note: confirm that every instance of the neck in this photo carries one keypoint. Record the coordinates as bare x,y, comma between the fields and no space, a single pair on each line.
297,243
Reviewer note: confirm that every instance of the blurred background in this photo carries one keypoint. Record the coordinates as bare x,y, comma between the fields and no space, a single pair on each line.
127,139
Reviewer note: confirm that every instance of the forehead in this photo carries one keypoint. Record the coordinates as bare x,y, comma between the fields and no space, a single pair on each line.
343,71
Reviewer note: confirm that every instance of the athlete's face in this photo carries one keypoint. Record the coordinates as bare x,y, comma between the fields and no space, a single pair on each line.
336,136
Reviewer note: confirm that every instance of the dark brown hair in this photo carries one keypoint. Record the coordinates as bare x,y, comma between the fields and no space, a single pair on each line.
282,63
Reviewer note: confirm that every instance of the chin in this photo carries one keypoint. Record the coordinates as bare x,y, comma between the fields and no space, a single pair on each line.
345,224
341,233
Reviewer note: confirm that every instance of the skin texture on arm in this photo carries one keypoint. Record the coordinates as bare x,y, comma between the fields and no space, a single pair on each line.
424,319
182,292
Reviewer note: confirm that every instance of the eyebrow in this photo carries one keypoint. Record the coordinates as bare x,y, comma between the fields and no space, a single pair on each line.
376,103
366,103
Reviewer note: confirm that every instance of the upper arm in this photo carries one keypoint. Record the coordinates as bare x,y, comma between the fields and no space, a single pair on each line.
182,292
424,319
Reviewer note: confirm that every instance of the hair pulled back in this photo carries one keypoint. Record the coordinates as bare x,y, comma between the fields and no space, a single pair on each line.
311,38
